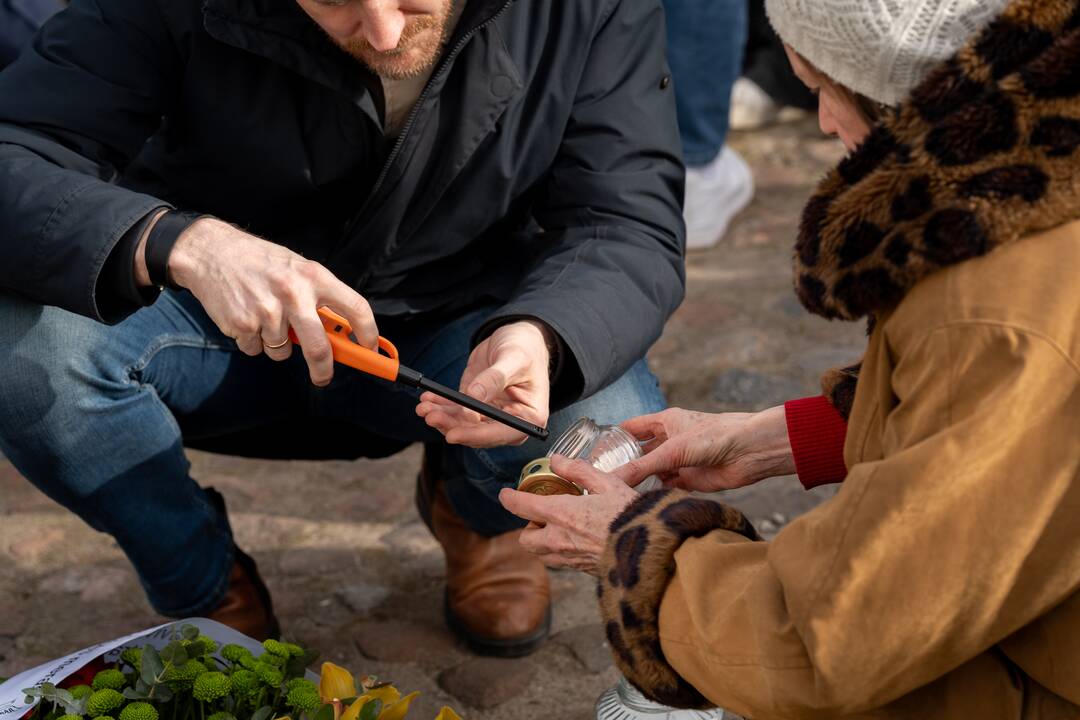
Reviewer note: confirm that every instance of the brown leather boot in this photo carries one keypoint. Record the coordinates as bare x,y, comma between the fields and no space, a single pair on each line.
498,596
247,607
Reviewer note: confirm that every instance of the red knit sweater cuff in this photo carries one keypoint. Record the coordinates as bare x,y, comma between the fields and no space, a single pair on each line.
817,432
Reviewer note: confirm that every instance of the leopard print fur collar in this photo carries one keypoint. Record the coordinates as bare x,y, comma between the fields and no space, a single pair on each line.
983,153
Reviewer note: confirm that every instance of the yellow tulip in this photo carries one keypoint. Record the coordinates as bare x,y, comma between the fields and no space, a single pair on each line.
354,710
387,694
335,682
447,714
397,710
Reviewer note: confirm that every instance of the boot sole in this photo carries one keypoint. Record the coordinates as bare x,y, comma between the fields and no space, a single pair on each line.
498,647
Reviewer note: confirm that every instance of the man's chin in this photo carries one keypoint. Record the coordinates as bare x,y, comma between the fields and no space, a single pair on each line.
398,67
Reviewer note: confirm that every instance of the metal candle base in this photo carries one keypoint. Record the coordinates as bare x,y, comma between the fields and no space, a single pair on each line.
538,479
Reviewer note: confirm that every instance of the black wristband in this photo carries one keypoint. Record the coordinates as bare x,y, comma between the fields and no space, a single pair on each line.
160,242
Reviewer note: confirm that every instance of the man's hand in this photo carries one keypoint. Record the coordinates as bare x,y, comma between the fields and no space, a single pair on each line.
566,530
508,370
255,290
709,452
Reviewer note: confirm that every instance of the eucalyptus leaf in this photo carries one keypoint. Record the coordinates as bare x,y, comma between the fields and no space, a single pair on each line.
142,686
196,648
326,712
189,632
161,693
371,710
152,667
263,713
174,653
134,694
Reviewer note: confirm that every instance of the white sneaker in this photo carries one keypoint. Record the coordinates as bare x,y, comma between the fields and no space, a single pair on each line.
715,194
751,107
625,702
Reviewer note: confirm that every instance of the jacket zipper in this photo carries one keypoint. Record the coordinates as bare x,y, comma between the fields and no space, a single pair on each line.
400,142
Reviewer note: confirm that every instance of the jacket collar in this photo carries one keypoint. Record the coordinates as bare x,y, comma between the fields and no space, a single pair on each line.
983,153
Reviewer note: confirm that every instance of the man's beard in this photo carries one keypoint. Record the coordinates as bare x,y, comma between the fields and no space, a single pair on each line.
417,50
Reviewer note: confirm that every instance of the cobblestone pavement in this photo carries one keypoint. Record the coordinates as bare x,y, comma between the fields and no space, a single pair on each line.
354,572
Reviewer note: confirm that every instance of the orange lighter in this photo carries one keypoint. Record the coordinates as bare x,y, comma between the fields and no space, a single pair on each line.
386,365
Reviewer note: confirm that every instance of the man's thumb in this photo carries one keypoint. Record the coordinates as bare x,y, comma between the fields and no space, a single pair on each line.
487,384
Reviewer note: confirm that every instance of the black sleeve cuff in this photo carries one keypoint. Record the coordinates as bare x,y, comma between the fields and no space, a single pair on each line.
117,294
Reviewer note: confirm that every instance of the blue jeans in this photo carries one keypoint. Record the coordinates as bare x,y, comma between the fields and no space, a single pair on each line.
95,416
706,39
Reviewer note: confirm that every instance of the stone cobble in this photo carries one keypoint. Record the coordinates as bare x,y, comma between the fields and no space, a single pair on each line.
356,575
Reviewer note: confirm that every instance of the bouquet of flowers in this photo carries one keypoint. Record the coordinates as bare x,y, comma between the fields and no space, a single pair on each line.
191,678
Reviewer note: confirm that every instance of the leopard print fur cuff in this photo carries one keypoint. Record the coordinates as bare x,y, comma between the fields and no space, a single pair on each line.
634,573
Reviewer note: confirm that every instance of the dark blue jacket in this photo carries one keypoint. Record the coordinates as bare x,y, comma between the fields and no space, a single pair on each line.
540,168
19,20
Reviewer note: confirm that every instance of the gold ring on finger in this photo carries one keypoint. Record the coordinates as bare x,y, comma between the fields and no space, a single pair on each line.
281,344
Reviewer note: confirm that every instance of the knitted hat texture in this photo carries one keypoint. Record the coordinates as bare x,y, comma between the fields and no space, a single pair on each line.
879,48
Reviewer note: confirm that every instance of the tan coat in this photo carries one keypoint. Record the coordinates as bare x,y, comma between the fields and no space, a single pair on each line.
943,581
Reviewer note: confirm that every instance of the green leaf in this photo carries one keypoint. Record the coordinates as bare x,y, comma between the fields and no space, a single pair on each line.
326,712
295,668
196,648
134,694
189,632
371,710
263,713
152,667
174,653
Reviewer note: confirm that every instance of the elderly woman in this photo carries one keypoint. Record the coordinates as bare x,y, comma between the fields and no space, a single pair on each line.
943,580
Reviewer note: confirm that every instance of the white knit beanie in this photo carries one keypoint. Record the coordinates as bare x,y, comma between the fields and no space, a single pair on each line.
879,48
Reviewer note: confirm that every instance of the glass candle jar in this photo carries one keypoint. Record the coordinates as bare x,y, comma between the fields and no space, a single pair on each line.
605,447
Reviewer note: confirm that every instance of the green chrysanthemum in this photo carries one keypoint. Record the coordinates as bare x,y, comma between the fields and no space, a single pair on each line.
81,691
234,653
298,682
133,657
304,698
211,686
104,701
222,716
272,659
294,649
104,717
70,717
269,674
113,679
275,647
139,711
245,683
249,662
181,678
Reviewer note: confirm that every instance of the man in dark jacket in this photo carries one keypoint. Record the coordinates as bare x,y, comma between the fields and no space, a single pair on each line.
496,181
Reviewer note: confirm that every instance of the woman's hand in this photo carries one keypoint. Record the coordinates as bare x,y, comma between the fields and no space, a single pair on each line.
709,452
568,530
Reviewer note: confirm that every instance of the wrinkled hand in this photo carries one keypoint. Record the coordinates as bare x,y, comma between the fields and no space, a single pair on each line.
568,530
508,370
254,290
709,452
